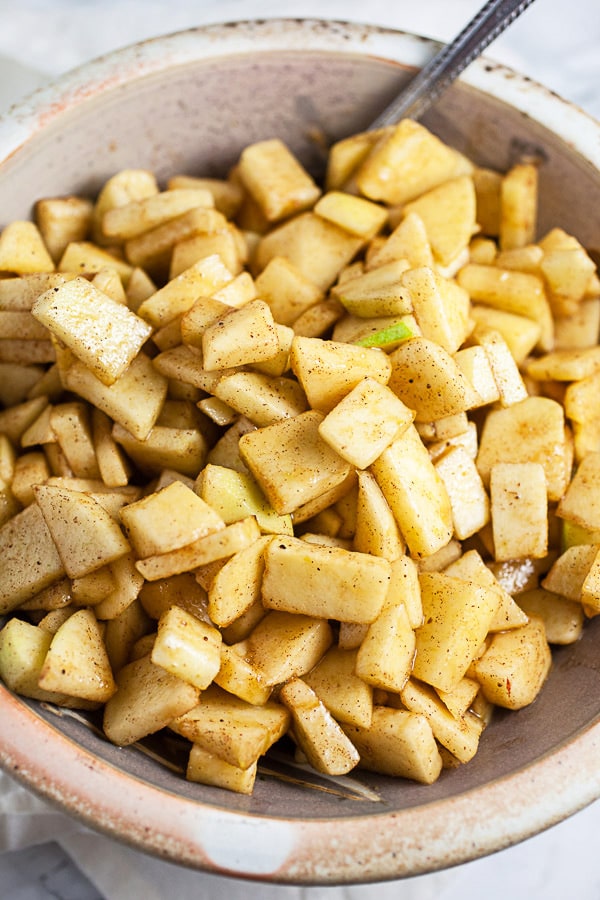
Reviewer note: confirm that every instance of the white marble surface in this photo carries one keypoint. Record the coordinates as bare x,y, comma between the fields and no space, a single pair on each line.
44,854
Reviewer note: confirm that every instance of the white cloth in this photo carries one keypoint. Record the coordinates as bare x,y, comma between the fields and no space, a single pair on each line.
555,45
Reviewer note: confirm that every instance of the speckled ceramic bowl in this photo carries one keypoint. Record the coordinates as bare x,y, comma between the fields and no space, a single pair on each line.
190,102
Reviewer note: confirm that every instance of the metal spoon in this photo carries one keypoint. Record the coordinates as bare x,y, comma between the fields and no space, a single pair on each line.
425,88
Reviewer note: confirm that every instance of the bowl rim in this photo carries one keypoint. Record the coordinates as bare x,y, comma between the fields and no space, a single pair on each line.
575,126
298,851
328,851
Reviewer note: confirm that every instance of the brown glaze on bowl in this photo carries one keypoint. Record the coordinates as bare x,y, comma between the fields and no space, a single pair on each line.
188,103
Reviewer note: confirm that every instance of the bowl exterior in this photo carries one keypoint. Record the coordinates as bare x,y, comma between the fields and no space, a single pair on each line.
189,103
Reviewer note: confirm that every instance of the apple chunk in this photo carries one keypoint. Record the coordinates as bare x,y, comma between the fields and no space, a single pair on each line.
103,334
187,647
77,662
152,527
29,560
328,582
86,535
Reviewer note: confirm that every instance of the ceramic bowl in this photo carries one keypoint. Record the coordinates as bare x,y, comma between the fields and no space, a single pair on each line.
190,102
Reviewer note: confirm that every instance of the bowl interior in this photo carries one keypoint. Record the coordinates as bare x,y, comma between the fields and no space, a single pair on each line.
195,116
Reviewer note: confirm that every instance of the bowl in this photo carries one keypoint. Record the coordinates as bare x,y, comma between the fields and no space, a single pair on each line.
189,102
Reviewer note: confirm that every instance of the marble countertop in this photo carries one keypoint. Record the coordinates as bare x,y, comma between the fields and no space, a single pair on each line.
44,854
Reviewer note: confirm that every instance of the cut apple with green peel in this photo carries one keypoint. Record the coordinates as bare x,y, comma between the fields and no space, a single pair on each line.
387,338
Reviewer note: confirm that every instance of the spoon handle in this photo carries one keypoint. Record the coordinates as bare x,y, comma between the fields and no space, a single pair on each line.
425,88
